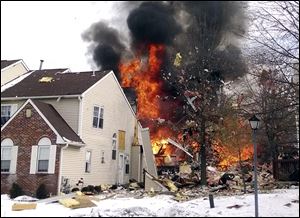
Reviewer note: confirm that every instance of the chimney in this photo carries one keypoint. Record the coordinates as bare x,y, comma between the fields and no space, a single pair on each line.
41,64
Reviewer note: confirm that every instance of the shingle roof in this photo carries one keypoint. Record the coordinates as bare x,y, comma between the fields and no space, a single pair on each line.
6,63
63,129
59,83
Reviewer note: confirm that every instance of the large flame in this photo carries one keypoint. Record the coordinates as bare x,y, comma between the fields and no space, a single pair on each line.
145,81
228,157
144,77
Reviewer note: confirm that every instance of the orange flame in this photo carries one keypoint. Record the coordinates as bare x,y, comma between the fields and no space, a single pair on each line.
229,158
146,83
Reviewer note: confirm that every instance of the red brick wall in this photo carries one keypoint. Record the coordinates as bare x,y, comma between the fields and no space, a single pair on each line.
26,132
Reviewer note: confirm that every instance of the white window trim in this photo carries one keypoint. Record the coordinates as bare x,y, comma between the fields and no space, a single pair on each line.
98,116
114,147
13,155
9,169
35,151
37,159
13,109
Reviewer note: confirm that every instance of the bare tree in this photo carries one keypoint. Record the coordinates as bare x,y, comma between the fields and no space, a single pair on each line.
274,38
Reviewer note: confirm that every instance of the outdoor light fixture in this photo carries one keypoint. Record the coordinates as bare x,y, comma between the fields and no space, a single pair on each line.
254,123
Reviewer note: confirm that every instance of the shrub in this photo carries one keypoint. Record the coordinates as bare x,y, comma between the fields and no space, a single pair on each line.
42,192
15,191
98,189
85,189
75,190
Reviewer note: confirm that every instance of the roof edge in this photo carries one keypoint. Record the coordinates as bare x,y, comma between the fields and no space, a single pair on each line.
39,97
19,61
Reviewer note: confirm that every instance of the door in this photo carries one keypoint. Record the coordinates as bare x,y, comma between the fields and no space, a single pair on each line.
121,166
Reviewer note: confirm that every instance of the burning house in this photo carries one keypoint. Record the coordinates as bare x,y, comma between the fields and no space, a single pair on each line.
179,55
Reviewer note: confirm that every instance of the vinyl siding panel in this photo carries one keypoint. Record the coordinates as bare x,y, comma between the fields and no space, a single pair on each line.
117,116
12,73
68,109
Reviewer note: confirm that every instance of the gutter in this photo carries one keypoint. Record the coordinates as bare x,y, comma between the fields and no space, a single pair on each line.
70,142
38,97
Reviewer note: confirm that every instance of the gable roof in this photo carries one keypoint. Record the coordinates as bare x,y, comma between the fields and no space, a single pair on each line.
64,130
65,133
57,82
8,63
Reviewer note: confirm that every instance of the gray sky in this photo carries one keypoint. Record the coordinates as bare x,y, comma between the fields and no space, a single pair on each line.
49,30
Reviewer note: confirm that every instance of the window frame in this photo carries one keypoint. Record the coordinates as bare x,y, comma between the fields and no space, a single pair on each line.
99,117
38,158
6,146
114,147
88,168
6,159
43,143
12,110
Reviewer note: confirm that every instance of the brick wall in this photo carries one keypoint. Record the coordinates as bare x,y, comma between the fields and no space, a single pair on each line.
26,132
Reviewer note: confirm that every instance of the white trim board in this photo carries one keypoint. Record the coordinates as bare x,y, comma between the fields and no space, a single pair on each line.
59,139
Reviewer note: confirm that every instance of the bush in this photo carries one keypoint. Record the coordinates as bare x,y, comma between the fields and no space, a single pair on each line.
42,192
91,189
15,191
85,189
75,190
98,189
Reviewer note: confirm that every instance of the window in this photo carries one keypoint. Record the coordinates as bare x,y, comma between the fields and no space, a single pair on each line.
127,164
5,159
7,111
98,117
114,147
43,155
6,154
121,140
88,158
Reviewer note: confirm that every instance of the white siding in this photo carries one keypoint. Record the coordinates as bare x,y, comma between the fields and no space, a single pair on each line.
12,73
117,116
68,109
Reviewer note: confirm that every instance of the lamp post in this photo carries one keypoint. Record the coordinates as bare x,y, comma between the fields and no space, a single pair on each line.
254,123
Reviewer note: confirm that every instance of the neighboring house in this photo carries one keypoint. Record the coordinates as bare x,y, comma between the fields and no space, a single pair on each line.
69,126
11,69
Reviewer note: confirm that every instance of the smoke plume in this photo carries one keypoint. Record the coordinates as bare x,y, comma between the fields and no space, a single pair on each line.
106,46
206,33
153,22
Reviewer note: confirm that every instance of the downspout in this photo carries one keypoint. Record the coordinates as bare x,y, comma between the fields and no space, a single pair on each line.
79,130
60,167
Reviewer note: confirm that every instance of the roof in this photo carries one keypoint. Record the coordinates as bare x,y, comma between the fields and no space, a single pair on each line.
6,63
56,120
54,82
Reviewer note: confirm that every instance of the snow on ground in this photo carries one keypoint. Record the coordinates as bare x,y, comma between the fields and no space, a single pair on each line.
279,203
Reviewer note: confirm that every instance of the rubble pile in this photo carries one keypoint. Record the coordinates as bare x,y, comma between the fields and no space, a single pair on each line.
185,182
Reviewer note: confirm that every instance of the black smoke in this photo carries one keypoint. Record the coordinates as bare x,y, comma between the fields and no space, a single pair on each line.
211,41
153,22
107,46
204,32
